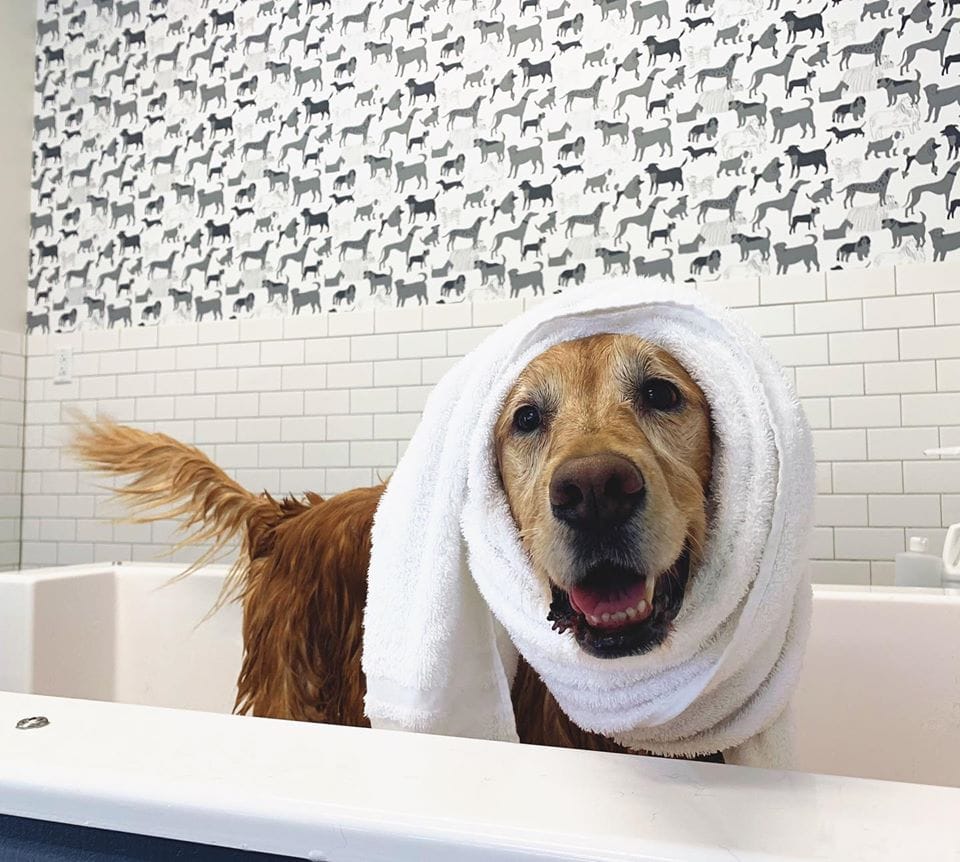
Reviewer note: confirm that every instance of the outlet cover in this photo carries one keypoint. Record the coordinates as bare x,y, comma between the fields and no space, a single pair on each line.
63,365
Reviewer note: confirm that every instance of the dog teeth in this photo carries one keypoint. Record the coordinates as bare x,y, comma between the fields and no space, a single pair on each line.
620,617
605,617
641,606
592,619
631,612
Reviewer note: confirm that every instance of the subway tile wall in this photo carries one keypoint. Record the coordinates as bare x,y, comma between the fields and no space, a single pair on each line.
328,403
12,377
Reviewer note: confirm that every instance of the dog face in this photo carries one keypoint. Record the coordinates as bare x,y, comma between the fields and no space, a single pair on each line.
604,452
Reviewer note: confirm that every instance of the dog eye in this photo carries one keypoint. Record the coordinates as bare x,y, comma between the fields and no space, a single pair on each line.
527,419
659,394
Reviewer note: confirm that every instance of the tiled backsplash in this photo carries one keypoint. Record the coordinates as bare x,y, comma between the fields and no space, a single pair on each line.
327,403
12,375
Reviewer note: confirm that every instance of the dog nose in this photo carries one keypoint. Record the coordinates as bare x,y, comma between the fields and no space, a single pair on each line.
595,492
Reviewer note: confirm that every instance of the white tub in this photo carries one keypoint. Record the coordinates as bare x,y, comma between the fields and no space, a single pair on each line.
880,699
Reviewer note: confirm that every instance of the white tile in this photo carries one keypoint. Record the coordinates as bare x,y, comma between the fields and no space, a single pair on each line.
947,308
840,445
303,377
448,316
841,510
821,543
840,572
195,407
500,311
918,277
799,287
767,320
215,431
851,283
219,332
216,380
950,509
399,372
940,407
867,543
161,359
866,411
420,344
732,292
869,477
369,453
381,400
898,311
155,407
238,355
260,430
835,316
817,411
326,454
303,428
903,510
135,337
897,377
174,383
96,340
350,323
899,443
412,398
340,479
263,328
934,342
824,478
933,476
365,348
348,375
830,380
280,455
882,573
299,480
238,405
875,346
261,379
349,427
196,357
397,426
281,403
176,336
319,350
434,369
397,320
304,326
799,349
232,456
948,374
326,402
288,352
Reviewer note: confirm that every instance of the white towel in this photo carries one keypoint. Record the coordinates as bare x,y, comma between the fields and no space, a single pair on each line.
452,595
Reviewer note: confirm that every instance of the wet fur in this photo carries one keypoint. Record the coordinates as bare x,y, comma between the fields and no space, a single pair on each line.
301,569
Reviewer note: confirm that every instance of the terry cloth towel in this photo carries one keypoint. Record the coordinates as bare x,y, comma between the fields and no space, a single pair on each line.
452,595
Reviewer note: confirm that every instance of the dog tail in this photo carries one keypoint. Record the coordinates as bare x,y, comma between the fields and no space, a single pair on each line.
171,480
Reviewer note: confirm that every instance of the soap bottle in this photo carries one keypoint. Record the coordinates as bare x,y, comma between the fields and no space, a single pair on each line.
917,568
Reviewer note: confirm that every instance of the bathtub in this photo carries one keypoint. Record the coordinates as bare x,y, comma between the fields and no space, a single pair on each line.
137,686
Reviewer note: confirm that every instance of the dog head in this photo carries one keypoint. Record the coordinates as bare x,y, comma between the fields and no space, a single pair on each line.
604,451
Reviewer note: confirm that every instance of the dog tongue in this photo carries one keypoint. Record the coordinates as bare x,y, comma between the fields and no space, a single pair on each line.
629,602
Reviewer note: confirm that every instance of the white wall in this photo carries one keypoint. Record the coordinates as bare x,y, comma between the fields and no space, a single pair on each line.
12,369
16,107
328,403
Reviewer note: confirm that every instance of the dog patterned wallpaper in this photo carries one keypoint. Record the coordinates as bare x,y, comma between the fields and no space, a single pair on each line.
229,158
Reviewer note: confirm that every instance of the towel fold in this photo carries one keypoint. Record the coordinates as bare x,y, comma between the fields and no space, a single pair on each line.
452,597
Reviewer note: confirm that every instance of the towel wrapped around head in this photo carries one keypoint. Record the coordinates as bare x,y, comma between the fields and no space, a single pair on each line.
452,596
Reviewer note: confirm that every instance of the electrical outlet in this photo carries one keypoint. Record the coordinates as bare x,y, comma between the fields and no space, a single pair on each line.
63,365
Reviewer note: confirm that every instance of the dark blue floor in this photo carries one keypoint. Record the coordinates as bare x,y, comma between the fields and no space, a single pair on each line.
23,840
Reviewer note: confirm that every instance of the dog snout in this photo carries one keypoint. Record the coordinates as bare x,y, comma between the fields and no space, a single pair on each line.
596,492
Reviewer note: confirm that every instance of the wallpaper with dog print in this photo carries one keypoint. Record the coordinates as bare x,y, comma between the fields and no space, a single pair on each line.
207,159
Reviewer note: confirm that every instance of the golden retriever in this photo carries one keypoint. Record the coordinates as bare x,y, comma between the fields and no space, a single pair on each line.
604,451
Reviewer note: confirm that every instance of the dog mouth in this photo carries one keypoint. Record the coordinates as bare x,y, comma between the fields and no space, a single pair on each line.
617,611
